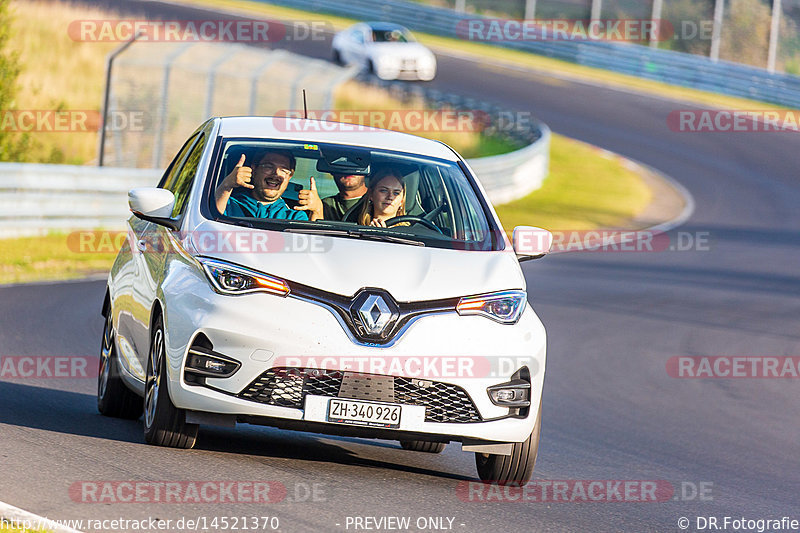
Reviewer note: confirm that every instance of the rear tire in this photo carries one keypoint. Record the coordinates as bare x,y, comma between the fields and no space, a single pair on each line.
516,468
164,424
423,446
337,57
113,397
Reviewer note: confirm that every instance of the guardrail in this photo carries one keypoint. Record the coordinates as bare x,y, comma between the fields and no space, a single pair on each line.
36,199
676,68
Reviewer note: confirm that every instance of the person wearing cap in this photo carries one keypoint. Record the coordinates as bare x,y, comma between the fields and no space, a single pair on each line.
351,189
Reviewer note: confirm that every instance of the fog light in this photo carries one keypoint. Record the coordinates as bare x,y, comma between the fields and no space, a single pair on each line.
211,364
515,393
506,395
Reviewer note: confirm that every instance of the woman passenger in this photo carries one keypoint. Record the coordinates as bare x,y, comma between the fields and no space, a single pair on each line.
386,198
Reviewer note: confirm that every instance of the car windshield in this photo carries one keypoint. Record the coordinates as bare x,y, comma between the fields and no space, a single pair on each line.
365,193
391,35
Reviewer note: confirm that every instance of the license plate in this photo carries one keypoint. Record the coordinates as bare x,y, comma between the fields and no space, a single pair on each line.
379,415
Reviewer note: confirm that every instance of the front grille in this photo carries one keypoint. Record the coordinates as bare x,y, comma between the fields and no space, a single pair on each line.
288,387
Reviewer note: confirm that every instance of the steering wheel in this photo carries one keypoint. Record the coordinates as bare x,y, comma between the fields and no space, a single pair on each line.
414,220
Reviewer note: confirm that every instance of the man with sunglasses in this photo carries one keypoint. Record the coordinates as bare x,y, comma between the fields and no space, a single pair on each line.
266,181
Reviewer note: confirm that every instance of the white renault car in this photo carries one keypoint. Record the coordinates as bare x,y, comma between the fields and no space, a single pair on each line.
387,49
416,329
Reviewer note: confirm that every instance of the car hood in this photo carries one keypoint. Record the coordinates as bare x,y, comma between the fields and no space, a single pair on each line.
400,50
344,265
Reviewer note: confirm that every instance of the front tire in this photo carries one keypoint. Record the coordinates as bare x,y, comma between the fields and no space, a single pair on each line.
164,424
423,446
113,397
516,468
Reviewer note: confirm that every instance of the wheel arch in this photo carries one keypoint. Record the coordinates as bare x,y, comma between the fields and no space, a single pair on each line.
106,303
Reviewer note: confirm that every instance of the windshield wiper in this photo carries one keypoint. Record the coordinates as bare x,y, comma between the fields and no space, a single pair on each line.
391,238
356,234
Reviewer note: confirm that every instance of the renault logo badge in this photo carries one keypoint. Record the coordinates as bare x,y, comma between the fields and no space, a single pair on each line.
375,314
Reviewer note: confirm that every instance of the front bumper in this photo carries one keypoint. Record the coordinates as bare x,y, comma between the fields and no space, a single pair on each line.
264,332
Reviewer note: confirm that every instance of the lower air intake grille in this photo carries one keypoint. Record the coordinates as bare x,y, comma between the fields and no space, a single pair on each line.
288,387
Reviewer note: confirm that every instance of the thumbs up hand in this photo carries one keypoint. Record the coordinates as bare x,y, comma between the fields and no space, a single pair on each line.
240,176
309,200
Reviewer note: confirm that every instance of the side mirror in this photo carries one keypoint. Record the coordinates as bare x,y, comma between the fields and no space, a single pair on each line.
530,242
154,205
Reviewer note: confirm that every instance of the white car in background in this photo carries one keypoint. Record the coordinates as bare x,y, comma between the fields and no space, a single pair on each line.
389,50
419,331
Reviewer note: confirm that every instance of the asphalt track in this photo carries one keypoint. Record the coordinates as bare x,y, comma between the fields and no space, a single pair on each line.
611,410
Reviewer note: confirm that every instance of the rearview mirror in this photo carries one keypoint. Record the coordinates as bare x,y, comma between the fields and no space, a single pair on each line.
530,242
153,204
348,161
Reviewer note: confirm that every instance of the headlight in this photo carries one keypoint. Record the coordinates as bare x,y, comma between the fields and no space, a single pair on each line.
505,306
231,279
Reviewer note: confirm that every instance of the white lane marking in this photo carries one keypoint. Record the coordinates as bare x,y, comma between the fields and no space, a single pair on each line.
11,513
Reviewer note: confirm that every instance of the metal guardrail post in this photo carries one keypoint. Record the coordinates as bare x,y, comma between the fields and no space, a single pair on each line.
655,18
530,9
348,74
773,35
597,8
212,78
109,63
716,34
258,72
162,116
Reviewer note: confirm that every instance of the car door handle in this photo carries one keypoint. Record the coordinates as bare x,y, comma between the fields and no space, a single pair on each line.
141,244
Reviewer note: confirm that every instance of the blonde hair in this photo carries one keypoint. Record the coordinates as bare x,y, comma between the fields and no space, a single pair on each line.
366,214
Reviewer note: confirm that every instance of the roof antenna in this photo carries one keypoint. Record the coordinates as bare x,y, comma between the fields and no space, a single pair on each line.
305,105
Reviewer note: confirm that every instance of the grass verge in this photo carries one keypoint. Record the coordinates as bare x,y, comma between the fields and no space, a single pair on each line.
583,191
28,259
58,74
5,527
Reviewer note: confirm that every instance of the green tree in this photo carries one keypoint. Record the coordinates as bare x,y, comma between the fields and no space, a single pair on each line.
745,32
686,17
12,144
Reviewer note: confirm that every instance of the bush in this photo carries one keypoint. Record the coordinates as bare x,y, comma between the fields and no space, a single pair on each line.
13,145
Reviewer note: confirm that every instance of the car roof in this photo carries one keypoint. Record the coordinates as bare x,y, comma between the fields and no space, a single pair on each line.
307,130
386,26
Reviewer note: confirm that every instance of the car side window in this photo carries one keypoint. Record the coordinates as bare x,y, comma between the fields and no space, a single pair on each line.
184,178
172,170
